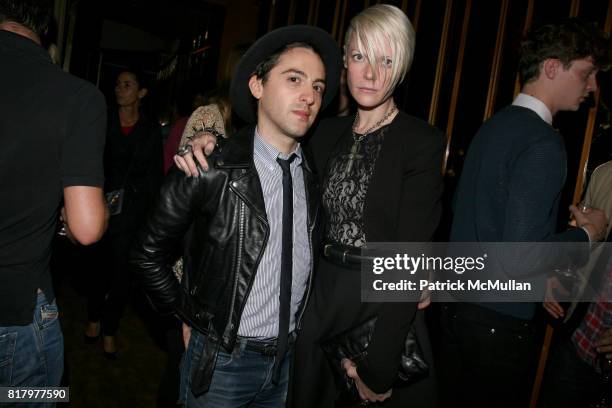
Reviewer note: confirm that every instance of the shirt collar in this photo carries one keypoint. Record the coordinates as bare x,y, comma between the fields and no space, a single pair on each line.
268,153
536,105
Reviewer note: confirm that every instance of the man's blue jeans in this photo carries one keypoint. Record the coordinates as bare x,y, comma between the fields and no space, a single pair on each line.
240,379
33,355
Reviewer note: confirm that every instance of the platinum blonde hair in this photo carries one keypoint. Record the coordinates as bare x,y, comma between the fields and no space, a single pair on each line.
377,26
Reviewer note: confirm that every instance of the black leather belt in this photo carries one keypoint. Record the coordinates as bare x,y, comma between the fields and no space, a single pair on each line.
264,347
344,254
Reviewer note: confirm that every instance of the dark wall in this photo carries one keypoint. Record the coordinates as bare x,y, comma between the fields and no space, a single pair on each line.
182,26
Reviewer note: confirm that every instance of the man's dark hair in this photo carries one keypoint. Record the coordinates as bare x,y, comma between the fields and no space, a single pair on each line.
33,14
567,41
264,67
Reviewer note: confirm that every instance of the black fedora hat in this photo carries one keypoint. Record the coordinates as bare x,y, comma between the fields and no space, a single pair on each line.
240,94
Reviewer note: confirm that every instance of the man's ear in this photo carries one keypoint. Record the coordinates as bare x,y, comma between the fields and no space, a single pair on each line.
344,60
256,87
550,67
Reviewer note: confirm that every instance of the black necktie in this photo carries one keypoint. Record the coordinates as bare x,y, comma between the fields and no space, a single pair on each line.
286,267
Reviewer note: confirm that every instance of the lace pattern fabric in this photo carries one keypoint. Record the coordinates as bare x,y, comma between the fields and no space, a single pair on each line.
344,192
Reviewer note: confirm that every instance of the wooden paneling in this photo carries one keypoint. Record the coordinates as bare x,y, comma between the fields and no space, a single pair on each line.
496,65
574,8
292,10
528,19
456,83
337,22
343,23
313,12
417,15
272,16
590,127
433,109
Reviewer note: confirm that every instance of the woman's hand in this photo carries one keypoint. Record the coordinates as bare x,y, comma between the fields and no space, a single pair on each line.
365,393
186,334
551,305
604,344
202,143
425,300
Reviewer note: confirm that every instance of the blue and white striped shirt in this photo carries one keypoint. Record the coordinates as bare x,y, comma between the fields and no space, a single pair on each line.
260,315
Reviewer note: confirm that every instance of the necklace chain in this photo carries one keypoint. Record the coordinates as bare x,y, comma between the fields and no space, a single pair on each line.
375,126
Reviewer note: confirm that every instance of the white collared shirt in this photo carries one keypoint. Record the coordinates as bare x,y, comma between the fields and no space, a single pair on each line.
536,105
261,310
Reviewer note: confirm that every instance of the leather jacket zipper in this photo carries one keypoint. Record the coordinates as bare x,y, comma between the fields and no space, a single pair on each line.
230,326
299,320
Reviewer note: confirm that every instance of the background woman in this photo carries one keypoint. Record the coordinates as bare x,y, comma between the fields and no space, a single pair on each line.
132,162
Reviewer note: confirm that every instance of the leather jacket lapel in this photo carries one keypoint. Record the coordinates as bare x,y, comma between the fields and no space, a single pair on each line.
248,188
244,180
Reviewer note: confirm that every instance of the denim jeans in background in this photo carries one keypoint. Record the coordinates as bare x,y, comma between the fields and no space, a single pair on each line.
240,379
33,355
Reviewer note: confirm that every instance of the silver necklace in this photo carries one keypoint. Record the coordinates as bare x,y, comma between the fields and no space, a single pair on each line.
354,153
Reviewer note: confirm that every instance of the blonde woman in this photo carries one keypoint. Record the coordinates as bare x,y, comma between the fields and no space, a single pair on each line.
381,183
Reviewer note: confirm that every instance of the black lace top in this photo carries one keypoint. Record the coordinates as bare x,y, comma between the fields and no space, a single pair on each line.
344,192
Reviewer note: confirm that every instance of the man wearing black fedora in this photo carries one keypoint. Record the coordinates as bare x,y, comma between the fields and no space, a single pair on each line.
247,228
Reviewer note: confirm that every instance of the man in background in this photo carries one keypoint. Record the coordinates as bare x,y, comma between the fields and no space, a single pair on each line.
52,128
509,191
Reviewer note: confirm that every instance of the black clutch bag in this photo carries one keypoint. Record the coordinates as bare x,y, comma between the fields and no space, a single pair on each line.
353,344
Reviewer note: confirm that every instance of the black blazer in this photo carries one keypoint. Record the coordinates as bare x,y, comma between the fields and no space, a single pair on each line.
403,204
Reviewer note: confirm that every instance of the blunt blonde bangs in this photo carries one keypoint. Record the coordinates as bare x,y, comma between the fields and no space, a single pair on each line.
379,25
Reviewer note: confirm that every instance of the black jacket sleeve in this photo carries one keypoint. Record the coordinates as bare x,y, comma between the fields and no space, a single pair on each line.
379,369
152,255
419,208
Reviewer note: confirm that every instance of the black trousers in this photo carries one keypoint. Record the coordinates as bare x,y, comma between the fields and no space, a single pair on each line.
110,288
485,359
168,391
568,381
335,305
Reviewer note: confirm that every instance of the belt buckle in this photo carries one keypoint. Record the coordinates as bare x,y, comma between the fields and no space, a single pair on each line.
325,248
344,255
269,349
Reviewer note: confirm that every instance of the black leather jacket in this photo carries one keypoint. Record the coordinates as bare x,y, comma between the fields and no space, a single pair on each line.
222,215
